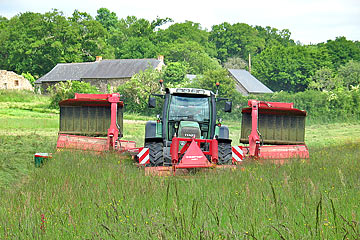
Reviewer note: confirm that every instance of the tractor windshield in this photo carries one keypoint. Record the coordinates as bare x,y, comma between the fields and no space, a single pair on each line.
189,108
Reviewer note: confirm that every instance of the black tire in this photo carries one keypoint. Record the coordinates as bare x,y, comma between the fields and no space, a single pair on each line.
225,153
155,153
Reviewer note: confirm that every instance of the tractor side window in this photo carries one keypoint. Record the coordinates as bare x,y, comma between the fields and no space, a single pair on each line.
189,108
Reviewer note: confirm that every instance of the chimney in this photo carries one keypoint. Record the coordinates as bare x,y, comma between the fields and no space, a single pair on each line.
98,58
161,58
161,64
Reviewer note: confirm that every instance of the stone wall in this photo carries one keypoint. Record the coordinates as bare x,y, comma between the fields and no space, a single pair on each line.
10,80
44,86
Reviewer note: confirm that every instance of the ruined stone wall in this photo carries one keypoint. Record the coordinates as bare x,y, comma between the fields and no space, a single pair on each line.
13,81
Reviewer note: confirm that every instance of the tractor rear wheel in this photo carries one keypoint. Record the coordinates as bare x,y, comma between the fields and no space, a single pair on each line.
155,153
225,153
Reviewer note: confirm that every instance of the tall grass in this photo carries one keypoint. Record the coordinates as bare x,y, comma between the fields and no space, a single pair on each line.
83,196
21,96
79,196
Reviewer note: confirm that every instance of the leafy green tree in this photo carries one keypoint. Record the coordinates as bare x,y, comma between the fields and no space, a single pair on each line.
238,40
106,18
187,31
349,74
29,77
175,73
137,90
137,47
289,68
341,51
4,36
30,43
131,26
273,36
192,53
209,79
324,79
3,22
90,37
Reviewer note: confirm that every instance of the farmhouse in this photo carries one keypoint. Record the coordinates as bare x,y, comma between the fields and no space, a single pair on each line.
10,80
101,73
246,83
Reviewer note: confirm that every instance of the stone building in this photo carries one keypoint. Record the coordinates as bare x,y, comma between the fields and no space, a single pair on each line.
13,81
101,73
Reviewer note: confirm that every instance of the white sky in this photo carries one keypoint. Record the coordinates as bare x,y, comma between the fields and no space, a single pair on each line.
309,21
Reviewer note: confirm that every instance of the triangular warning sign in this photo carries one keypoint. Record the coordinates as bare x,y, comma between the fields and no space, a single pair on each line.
194,158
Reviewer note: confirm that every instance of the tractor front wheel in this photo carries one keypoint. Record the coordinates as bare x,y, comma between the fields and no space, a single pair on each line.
225,153
155,153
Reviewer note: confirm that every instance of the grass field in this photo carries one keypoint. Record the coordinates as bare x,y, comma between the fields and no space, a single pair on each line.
84,196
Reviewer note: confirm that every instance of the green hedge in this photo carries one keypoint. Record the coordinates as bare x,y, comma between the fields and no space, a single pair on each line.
321,107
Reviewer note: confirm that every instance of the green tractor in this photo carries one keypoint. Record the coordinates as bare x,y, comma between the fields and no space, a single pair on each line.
186,113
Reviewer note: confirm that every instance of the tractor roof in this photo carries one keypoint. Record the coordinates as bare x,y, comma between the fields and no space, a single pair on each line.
190,91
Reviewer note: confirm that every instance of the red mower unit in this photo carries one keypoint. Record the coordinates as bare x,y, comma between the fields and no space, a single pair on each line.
92,122
274,132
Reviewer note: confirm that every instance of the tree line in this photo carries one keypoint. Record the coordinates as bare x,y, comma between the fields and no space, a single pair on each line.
33,43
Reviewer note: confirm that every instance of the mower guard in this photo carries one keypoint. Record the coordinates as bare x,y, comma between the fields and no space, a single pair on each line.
274,131
92,122
191,156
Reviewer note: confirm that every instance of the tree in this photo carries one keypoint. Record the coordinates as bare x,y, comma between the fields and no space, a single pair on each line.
136,47
106,18
138,89
273,36
289,68
90,37
349,74
324,79
238,40
341,51
209,79
192,53
29,77
175,73
187,31
32,42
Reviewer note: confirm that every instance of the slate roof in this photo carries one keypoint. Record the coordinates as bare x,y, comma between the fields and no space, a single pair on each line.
248,81
118,68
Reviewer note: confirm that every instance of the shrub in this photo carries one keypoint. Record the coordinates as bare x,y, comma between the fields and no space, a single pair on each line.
321,106
29,77
66,90
137,91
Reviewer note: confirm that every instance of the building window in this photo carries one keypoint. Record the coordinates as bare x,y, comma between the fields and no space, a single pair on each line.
16,83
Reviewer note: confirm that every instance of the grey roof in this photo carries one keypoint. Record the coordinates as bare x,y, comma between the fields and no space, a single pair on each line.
65,71
118,68
248,81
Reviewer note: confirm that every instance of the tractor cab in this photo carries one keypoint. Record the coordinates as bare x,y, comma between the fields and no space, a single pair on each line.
189,114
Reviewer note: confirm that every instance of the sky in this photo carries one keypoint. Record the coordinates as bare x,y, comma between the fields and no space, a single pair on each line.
309,21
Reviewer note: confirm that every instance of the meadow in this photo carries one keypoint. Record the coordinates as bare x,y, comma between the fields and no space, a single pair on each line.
79,195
